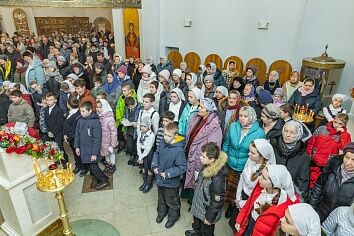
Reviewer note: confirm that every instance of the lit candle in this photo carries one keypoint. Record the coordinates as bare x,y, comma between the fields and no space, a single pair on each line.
35,168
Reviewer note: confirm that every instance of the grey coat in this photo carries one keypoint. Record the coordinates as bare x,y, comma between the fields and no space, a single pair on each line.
210,190
88,137
340,222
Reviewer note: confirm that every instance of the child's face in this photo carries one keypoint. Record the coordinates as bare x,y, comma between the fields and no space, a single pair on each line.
254,154
110,78
205,160
147,103
125,91
44,103
99,108
97,84
144,128
145,76
218,94
79,90
277,98
131,107
15,99
36,87
174,98
294,78
153,89
51,101
337,102
283,115
192,98
188,80
165,122
337,123
169,136
84,112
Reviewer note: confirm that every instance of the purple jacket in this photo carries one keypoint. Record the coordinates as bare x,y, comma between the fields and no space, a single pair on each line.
109,132
210,132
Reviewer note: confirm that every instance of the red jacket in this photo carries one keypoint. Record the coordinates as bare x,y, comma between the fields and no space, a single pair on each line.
266,224
86,96
326,141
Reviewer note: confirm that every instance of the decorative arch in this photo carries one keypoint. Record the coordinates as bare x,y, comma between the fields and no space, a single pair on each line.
176,58
193,61
239,63
21,23
261,69
283,68
102,24
214,58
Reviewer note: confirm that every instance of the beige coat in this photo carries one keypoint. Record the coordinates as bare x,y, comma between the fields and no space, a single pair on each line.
21,112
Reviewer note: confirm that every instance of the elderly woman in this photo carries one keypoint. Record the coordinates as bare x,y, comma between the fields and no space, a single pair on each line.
228,109
290,151
236,144
267,203
204,128
301,219
273,82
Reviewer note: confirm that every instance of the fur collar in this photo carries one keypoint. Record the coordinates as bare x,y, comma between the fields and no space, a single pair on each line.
215,167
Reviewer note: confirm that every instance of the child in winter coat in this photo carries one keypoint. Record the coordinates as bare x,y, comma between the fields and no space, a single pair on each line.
87,144
327,140
335,108
145,144
209,192
169,164
167,118
109,135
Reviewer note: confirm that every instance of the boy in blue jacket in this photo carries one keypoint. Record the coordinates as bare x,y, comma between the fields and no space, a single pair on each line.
87,144
168,164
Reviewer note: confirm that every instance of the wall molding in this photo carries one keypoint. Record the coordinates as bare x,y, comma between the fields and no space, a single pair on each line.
73,3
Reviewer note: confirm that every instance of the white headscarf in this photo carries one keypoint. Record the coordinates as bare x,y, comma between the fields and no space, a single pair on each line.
341,96
22,88
306,219
194,79
223,90
281,178
105,106
265,149
179,93
298,127
197,93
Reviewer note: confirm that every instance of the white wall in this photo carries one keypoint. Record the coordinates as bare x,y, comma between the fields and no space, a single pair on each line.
298,29
32,12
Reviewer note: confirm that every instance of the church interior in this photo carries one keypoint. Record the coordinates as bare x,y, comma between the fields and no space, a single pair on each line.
312,37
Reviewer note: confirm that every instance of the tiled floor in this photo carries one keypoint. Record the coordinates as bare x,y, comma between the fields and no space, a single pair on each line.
127,209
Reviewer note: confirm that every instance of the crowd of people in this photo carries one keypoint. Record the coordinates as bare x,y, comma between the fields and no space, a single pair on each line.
216,135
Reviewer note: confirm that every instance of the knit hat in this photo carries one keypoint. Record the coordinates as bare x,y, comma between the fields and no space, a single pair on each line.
99,65
253,69
306,219
197,92
265,149
146,69
52,64
271,111
340,96
264,96
21,60
209,78
223,90
72,76
177,72
146,121
61,58
123,69
209,104
349,148
279,91
165,74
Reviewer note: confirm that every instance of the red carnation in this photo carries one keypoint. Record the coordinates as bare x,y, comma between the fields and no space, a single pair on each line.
21,150
10,149
43,147
52,152
29,146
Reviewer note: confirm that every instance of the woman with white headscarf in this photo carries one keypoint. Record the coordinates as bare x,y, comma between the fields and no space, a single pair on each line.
109,135
261,155
177,104
267,203
301,220
236,144
290,151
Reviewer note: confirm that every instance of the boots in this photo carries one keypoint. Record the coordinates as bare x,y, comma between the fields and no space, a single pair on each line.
141,188
111,169
94,182
148,185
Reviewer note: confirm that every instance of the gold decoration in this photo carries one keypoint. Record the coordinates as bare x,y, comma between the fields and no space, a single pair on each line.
70,25
303,114
21,22
55,180
102,24
73,3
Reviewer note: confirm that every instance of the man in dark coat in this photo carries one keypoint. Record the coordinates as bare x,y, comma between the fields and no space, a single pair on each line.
106,64
87,144
335,186
44,48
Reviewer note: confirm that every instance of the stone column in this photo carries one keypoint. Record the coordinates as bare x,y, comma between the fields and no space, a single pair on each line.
118,29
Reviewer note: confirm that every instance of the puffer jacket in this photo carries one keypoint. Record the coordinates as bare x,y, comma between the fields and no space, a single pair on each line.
210,190
120,107
296,161
238,151
88,137
183,123
35,73
329,191
340,222
171,159
109,132
312,99
266,224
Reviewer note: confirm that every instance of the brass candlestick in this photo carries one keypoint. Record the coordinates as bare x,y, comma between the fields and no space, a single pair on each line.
55,180
303,114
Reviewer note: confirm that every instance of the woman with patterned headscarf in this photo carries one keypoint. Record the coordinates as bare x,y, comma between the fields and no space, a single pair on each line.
204,128
236,144
290,151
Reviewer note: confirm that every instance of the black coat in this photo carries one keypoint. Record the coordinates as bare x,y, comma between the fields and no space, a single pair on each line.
69,127
267,87
4,107
64,69
329,191
276,131
296,161
313,99
88,137
54,122
163,103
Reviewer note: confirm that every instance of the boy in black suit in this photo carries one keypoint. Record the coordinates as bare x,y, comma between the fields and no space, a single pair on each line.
54,119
